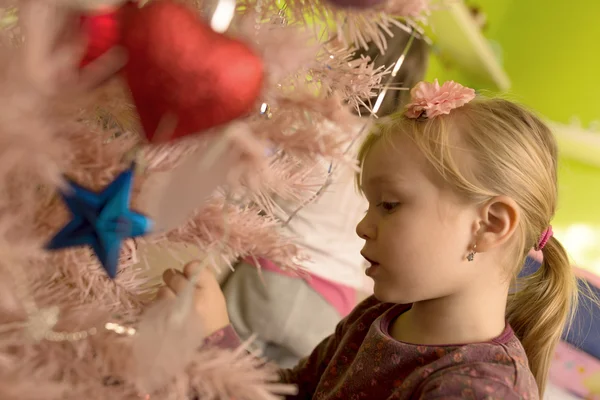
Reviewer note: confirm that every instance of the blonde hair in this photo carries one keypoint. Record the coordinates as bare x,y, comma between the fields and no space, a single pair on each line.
512,153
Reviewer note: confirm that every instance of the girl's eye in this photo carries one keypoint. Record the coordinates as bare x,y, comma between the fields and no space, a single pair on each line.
387,206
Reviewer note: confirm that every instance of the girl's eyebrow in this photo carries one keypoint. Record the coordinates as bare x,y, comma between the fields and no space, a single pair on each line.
386,178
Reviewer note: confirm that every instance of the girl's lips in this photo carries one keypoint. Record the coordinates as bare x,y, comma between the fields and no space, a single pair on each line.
372,270
368,259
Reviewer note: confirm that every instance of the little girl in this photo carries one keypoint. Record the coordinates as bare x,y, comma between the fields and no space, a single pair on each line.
459,190
289,314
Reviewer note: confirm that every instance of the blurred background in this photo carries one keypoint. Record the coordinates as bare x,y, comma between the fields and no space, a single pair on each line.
544,55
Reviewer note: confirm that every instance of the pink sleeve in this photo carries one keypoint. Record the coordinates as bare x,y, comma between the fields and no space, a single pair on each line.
225,338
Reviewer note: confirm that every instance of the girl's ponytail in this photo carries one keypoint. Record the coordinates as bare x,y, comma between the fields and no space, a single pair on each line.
541,306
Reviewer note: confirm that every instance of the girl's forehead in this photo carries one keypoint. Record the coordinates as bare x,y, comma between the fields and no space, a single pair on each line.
395,154
393,160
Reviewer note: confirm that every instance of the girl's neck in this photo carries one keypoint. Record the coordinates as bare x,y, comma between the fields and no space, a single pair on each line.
458,319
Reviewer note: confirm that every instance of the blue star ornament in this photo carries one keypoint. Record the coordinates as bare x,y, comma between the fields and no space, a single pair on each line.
101,220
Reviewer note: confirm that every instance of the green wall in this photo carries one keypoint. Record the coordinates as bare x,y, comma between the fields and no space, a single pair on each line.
551,52
579,194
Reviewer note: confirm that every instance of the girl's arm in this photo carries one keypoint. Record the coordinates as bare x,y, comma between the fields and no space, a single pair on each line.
307,374
210,307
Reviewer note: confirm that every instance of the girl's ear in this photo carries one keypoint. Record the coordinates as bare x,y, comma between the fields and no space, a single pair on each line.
499,219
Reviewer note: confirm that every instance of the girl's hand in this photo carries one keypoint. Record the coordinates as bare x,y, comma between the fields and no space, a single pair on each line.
54,47
209,301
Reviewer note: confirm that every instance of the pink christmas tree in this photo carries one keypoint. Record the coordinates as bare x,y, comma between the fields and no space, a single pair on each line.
69,331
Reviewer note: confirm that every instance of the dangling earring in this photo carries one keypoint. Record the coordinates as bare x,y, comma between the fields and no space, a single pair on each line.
471,255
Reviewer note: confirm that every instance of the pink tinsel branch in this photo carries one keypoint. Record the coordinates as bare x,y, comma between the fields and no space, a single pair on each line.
355,79
289,179
256,379
354,27
249,234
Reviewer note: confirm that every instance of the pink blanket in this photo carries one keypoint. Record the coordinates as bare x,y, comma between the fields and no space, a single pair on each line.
576,372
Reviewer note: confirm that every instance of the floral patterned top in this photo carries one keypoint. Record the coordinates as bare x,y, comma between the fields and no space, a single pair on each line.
362,361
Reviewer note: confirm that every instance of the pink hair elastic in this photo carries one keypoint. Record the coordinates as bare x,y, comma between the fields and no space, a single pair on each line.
546,235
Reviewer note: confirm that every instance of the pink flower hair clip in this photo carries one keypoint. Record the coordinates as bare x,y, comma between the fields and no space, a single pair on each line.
429,99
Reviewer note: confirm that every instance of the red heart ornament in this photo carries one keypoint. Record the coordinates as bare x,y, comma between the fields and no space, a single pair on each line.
102,32
182,72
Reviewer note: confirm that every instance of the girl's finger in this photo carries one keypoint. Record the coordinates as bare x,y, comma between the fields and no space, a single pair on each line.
165,293
205,277
175,280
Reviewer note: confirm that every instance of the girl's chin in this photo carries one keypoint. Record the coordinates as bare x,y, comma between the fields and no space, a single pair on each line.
385,293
